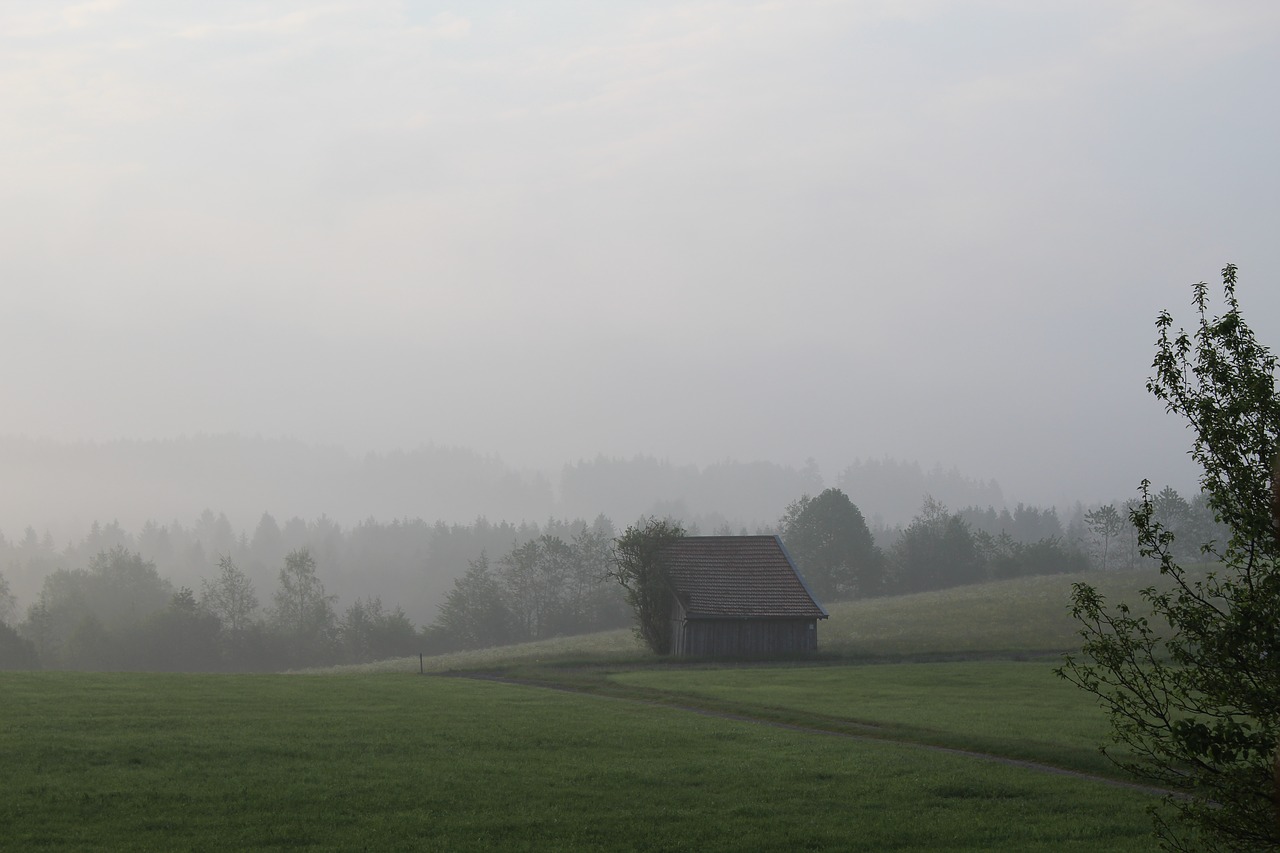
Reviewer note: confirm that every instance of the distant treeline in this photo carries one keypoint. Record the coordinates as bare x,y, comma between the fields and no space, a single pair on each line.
205,597
890,491
411,562
548,587
974,544
61,487
118,612
837,553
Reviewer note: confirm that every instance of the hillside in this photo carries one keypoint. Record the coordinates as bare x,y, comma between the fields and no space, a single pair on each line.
1023,616
1014,618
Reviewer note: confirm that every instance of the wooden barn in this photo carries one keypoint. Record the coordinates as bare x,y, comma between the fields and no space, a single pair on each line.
739,596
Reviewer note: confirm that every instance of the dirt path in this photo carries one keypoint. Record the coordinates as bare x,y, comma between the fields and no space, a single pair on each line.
1034,766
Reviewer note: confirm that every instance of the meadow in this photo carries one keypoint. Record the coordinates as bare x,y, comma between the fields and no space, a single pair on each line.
1014,709
360,759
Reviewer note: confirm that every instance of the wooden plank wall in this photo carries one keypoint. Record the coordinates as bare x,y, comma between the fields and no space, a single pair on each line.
743,637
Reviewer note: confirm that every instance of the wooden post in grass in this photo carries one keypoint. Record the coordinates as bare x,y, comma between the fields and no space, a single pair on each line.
420,672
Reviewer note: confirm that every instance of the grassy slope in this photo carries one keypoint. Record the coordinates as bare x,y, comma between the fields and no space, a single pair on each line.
608,646
1023,616
1008,708
1020,617
395,762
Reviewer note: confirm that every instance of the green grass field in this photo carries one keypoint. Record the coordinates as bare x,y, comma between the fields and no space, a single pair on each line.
1014,709
169,762
378,758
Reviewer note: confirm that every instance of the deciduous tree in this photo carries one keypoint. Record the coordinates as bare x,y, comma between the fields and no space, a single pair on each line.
119,591
592,603
182,637
638,566
533,576
1106,524
230,596
936,550
1193,690
369,632
303,613
474,615
829,540
16,652
7,601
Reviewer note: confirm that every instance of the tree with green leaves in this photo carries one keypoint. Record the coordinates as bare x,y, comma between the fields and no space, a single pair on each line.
475,615
637,565
831,545
16,652
368,632
533,576
935,551
230,596
8,603
1106,524
303,613
592,603
182,637
1193,689
119,590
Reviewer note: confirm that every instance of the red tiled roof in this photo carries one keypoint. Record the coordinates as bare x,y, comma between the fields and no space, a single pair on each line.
738,577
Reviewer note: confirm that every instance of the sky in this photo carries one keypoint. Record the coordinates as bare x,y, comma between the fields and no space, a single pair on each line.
931,231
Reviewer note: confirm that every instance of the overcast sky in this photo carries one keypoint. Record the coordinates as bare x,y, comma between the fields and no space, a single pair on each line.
937,231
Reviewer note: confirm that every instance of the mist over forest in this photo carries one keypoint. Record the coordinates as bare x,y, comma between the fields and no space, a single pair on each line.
210,594
182,503
403,527
66,487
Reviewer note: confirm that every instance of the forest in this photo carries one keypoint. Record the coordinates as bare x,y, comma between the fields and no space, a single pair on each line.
206,597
